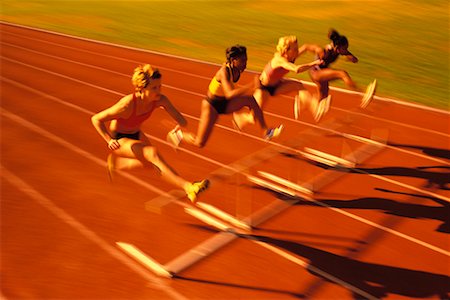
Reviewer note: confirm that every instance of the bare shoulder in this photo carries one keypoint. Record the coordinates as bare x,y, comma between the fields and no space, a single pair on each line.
124,104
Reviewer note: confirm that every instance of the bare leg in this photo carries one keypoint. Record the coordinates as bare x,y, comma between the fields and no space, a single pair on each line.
148,156
208,118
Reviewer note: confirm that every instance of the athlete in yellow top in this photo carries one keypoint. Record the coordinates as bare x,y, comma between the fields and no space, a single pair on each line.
224,98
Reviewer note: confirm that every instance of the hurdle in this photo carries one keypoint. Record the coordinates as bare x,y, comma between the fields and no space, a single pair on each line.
287,183
327,158
223,215
144,259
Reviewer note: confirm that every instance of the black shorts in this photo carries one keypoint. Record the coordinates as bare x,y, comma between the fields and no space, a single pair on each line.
133,136
270,89
219,103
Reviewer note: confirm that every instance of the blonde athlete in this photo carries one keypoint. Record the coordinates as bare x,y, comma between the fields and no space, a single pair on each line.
129,145
322,74
273,83
224,98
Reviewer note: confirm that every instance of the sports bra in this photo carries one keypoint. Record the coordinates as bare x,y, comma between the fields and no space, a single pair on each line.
274,75
134,121
215,87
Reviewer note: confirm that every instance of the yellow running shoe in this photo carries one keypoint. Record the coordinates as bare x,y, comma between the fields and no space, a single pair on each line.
195,188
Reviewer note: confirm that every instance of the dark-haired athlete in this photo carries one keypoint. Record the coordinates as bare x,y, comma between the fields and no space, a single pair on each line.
224,98
129,145
322,74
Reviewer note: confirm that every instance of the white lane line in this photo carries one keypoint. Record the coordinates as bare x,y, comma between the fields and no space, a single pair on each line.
87,233
190,257
202,95
146,185
404,103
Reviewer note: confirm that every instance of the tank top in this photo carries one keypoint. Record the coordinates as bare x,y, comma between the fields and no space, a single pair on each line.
215,87
134,121
274,75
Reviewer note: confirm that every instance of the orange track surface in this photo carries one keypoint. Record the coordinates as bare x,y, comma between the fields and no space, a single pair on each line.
380,230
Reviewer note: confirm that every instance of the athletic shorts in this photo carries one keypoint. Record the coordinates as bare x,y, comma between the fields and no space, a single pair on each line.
219,103
133,136
270,89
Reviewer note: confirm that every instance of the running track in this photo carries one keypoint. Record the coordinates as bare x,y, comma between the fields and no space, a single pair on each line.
380,230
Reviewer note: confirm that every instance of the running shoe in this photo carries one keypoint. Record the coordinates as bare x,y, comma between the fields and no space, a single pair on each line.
273,132
296,107
236,120
368,96
175,137
327,103
196,188
301,97
322,107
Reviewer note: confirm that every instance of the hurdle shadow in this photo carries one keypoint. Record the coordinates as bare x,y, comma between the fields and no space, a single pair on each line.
388,206
406,210
435,152
375,279
438,180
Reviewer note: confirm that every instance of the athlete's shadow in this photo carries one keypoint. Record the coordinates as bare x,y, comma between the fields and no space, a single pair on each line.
407,210
433,179
435,152
375,279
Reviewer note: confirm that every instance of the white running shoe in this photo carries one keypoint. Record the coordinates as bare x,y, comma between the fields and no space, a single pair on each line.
368,96
300,98
175,137
322,108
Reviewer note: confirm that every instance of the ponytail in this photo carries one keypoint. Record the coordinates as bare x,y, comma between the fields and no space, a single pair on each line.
337,39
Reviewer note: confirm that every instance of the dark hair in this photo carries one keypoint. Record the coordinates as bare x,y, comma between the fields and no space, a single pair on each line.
337,39
235,52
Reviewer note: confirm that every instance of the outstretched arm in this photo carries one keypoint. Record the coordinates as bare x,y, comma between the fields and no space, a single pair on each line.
350,56
315,49
172,111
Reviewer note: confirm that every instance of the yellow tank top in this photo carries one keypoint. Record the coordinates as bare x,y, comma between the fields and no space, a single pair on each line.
215,87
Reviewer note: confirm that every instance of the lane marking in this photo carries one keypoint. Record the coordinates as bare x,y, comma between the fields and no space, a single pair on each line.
58,140
90,235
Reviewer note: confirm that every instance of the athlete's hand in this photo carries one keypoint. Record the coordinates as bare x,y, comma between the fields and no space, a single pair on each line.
113,144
